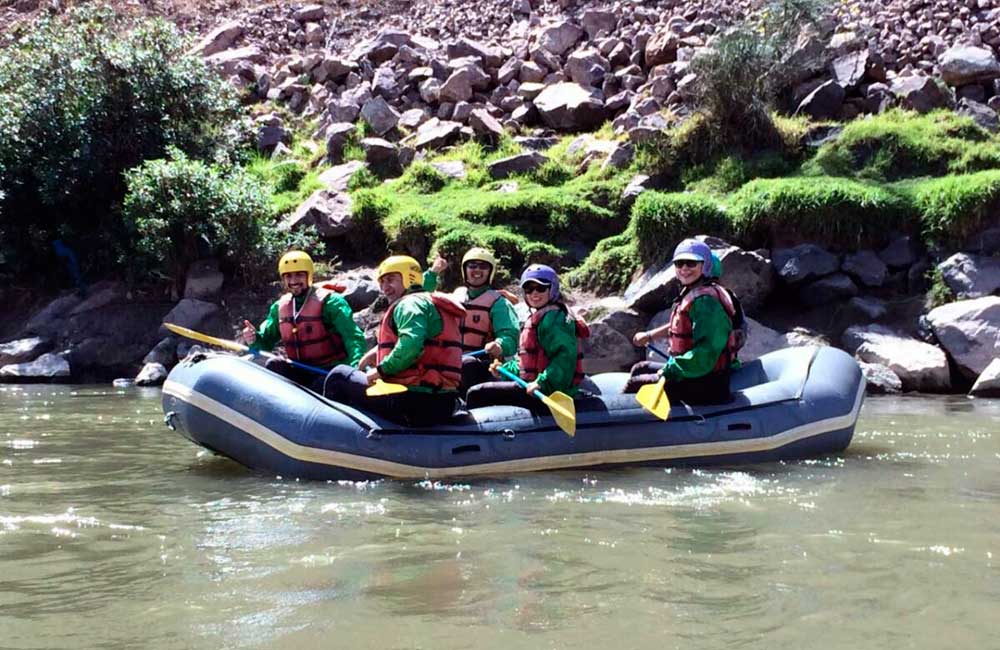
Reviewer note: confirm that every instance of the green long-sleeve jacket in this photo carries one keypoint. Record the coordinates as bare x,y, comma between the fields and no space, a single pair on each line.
557,336
502,315
337,317
710,327
416,320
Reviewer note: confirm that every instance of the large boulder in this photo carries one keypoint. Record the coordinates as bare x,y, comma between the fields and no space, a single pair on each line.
152,374
379,115
988,382
607,350
47,320
653,290
970,331
919,93
336,178
866,267
971,276
203,280
23,350
328,212
516,164
828,289
804,262
762,339
880,379
748,274
570,107
219,39
190,313
965,64
559,37
436,134
45,368
920,366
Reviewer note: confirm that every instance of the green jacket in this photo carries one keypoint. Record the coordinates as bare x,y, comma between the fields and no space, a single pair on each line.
557,336
416,320
710,327
502,315
337,317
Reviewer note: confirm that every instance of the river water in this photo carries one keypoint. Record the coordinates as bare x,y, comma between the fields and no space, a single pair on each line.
117,533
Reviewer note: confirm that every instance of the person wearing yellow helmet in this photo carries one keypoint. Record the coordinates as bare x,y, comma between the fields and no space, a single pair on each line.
490,320
419,345
314,323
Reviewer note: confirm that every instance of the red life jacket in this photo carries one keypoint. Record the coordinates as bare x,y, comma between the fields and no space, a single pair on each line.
532,359
477,326
681,339
440,364
305,336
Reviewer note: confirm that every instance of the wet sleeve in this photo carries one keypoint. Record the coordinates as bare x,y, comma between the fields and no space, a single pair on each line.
710,332
505,326
430,280
268,333
338,317
411,327
557,336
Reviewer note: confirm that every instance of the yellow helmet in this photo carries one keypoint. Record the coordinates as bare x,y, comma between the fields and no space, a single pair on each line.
406,266
295,261
480,255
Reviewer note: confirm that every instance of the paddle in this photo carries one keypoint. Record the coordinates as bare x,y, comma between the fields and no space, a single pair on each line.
561,404
474,354
653,397
234,346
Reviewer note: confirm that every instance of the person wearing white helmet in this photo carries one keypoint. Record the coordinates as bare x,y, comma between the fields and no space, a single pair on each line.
314,322
701,346
419,346
490,324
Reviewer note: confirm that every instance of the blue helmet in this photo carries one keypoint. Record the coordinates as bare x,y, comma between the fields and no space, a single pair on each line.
542,274
692,249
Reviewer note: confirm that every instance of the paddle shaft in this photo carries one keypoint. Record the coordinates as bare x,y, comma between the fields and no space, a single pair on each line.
237,347
658,351
520,382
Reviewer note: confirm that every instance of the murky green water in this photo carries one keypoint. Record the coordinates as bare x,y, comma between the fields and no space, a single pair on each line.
117,533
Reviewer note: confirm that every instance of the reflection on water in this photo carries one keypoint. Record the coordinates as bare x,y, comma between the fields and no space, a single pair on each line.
116,532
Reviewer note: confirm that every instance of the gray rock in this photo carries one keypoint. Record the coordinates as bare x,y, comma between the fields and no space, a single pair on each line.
653,289
901,252
204,280
451,168
965,64
828,289
823,103
980,113
457,87
881,380
970,331
338,135
595,21
412,118
919,93
382,156
23,350
336,178
437,135
360,291
919,366
228,62
867,267
620,156
152,374
559,37
47,366
379,115
47,320
607,350
219,39
309,13
569,107
163,353
101,295
517,164
866,308
329,212
587,67
971,276
485,125
190,313
803,262
988,382
985,242
849,70
748,274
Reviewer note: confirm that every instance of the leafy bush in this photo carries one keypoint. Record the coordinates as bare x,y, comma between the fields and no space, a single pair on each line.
363,178
902,144
513,251
84,97
180,210
369,209
552,173
660,220
423,178
835,210
953,207
741,75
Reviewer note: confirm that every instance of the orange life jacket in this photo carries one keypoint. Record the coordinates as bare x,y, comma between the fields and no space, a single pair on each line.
305,336
532,359
477,326
440,364
681,339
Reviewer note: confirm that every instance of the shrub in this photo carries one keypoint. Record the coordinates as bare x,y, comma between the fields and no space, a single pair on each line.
834,210
953,207
741,75
363,178
180,210
423,178
660,220
369,209
552,173
513,251
84,97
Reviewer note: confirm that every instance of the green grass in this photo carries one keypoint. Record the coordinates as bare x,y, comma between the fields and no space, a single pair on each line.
953,207
836,211
289,182
899,144
660,220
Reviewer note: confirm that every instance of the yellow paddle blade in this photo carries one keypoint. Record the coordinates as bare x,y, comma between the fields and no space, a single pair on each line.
384,388
563,410
205,338
654,399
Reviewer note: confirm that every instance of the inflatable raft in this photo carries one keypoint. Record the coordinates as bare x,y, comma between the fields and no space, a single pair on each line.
790,404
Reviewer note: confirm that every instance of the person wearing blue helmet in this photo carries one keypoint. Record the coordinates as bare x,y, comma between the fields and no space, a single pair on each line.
550,348
701,346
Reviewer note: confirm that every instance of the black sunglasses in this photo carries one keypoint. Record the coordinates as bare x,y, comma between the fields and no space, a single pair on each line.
686,263
534,288
480,266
